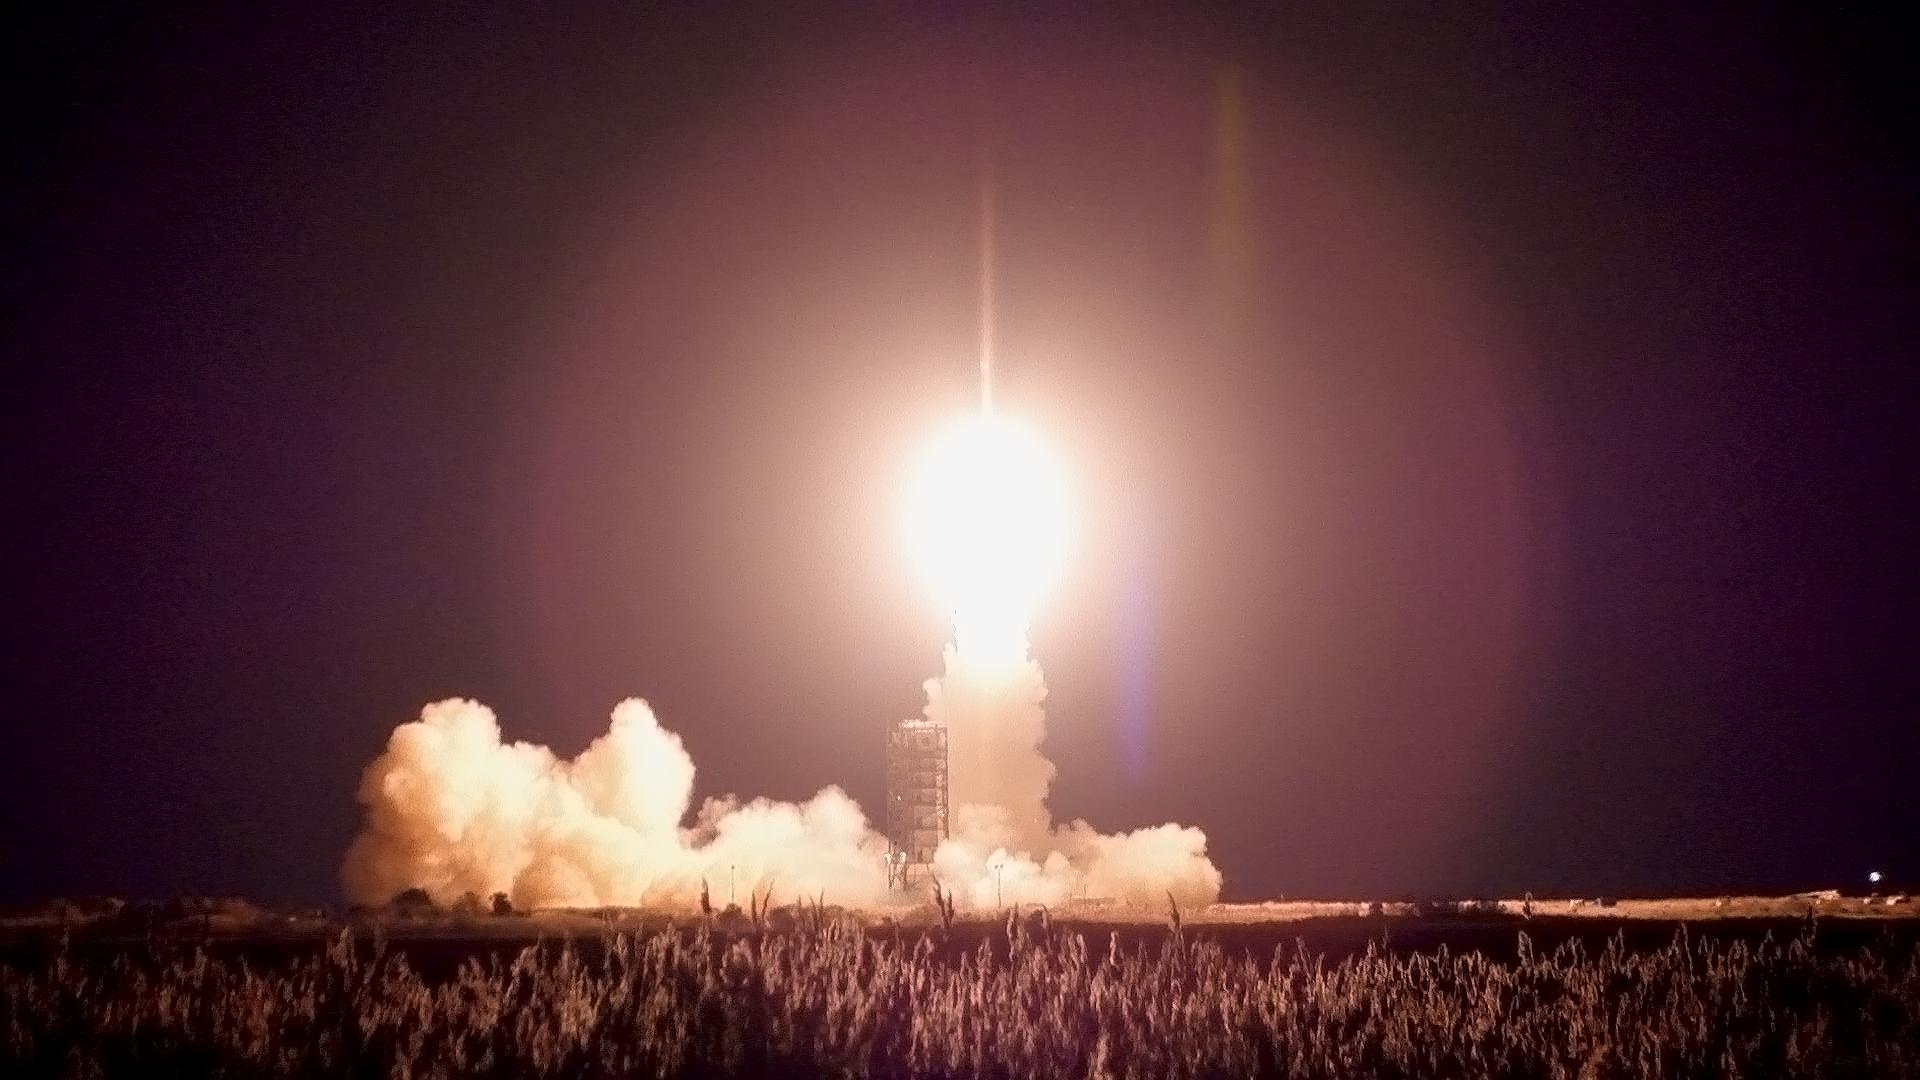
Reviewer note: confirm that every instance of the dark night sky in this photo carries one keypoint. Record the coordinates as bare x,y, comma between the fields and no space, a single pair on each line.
1537,516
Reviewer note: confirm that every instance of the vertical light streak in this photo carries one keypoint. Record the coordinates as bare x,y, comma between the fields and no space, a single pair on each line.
986,284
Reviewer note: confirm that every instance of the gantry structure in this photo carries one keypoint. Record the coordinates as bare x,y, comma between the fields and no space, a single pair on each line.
916,800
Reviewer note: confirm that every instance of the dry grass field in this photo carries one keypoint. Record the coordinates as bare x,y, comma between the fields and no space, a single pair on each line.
1267,990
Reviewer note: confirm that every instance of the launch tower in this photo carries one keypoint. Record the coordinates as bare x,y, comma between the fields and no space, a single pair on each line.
916,799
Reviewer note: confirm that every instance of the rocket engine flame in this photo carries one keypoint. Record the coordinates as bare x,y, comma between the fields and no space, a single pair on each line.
452,808
988,523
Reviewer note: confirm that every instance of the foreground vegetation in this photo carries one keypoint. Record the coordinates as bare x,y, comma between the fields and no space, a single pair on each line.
826,998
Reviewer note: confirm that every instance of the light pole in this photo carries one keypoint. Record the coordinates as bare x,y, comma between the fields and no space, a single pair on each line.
997,902
729,883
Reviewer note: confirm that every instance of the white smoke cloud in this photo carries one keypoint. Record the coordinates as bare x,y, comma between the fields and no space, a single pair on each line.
1004,848
992,710
452,809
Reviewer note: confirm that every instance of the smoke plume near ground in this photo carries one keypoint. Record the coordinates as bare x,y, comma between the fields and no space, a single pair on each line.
1004,847
454,809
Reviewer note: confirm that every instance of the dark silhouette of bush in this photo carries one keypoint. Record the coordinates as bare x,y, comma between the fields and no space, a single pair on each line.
412,903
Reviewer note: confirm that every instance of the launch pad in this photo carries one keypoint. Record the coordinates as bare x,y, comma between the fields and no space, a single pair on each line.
916,800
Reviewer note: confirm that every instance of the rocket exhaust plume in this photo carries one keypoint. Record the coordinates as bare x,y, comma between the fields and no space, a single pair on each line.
991,526
453,809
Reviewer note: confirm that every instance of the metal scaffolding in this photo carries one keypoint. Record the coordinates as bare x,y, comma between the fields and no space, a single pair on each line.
916,799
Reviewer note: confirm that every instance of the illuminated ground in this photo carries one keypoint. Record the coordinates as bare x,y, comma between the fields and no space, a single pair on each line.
232,919
1677,909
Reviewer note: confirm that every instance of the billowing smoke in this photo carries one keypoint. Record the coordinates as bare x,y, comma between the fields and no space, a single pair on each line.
1004,848
995,719
452,809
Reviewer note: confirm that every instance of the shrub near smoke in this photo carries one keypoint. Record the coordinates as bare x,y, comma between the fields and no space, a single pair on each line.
452,809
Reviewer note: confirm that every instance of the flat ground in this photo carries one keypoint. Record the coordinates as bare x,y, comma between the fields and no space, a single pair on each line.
440,941
1668,909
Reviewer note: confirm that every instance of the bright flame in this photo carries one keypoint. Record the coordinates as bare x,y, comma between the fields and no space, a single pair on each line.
988,522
